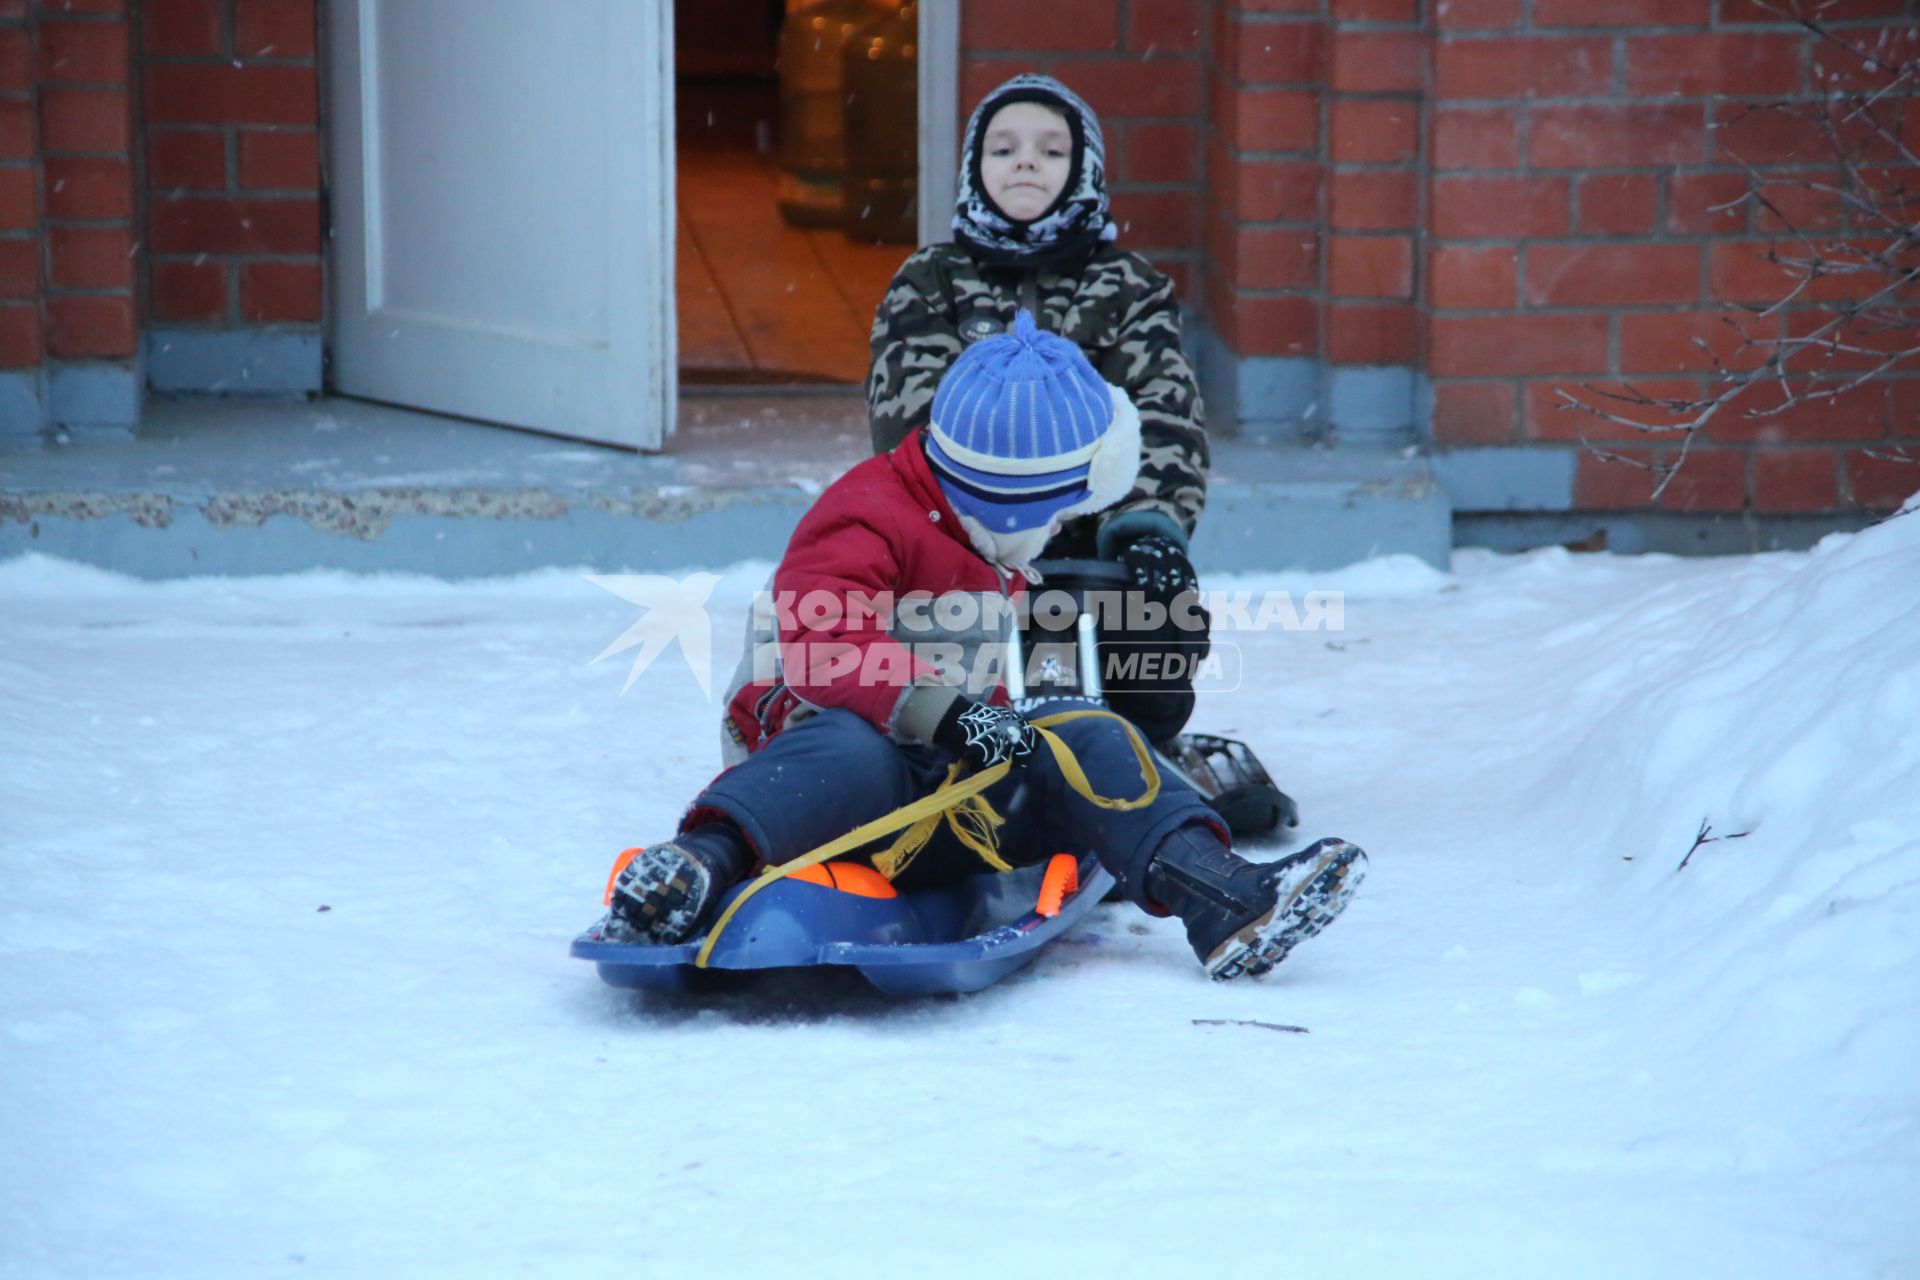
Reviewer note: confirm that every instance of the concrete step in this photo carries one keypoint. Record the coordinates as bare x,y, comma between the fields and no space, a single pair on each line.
238,487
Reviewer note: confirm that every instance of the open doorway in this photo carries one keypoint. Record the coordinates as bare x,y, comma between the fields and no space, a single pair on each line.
796,160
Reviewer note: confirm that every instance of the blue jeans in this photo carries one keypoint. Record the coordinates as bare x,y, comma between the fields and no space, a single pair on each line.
834,771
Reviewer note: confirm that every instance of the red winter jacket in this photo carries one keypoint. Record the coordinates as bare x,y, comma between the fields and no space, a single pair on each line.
881,532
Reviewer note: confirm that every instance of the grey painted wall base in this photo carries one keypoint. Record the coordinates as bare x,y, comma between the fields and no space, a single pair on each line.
1291,507
360,487
1300,399
1376,406
95,396
235,362
23,404
1494,478
1634,533
1274,399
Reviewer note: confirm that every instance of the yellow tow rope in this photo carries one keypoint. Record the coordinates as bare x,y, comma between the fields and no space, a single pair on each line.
974,823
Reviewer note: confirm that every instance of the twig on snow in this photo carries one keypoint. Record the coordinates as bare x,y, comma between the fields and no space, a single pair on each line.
1249,1022
1705,836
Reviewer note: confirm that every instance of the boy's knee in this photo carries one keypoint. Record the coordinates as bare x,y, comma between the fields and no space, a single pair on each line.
1101,731
1107,749
844,737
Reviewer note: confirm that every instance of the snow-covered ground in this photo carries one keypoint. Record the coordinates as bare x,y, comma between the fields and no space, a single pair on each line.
288,869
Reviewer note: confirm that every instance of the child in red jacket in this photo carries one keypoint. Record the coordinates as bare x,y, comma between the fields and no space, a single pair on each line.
893,625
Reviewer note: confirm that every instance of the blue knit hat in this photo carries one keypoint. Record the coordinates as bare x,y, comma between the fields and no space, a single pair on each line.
1016,423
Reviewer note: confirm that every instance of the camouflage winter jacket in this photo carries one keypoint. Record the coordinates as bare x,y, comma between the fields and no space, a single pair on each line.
1118,310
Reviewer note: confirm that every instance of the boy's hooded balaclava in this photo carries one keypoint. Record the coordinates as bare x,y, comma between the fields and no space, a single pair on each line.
1026,433
1062,238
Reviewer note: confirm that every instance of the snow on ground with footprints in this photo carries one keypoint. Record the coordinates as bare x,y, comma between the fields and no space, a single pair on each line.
291,866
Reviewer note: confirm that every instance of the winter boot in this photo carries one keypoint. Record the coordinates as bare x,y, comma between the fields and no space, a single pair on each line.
670,891
1244,917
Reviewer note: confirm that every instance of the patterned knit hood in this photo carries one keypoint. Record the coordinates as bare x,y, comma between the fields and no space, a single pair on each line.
1065,236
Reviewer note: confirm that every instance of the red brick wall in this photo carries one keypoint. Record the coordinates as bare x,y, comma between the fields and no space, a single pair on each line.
1377,73
67,217
1578,148
85,67
21,330
1265,290
233,162
1514,195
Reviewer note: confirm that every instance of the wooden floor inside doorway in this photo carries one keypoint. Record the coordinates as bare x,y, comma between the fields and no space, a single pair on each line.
761,301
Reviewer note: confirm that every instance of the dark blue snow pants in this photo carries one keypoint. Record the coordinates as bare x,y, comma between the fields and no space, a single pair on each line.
828,774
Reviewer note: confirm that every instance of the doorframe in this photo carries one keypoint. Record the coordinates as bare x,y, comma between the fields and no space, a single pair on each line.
939,116
659,231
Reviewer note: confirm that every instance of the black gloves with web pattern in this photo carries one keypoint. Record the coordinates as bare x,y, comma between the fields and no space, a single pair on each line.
984,735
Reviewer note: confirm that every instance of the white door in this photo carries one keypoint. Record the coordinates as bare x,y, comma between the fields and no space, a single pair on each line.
502,197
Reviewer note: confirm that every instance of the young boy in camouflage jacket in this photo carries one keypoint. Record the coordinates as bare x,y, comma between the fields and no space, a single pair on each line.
1031,231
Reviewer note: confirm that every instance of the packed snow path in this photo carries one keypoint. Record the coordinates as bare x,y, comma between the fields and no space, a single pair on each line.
291,866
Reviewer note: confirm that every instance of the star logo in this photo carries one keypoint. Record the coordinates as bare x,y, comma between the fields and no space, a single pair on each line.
671,608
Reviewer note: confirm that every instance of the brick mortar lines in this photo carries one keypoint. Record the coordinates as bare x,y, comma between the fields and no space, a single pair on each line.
1316,154
1473,35
1805,98
35,232
1067,57
234,259
1421,99
1207,134
1703,168
1716,22
285,195
1619,240
1044,66
231,266
1327,233
1055,62
50,226
1615,308
303,62
1715,25
1423,215
1809,44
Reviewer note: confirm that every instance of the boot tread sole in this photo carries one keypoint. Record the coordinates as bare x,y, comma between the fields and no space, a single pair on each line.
661,894
1320,898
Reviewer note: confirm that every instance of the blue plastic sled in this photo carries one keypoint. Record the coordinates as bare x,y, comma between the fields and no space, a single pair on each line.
958,938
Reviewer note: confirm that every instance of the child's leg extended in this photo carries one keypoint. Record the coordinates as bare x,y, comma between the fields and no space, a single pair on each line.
811,783
1173,856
